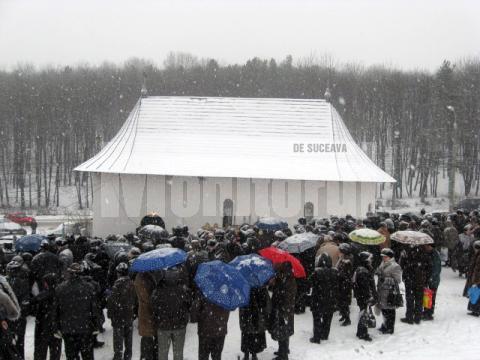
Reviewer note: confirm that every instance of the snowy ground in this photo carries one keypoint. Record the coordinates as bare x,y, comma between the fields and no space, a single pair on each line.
452,335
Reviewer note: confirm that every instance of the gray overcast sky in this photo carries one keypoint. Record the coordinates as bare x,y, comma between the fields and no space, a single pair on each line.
404,33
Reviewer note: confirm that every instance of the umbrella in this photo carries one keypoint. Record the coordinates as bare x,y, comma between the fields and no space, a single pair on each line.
159,259
151,232
111,248
367,237
409,237
223,285
29,243
271,224
254,268
279,256
152,219
299,243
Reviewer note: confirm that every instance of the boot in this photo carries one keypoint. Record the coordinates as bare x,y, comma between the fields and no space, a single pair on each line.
254,356
246,356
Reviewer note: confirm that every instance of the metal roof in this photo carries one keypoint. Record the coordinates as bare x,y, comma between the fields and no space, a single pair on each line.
236,137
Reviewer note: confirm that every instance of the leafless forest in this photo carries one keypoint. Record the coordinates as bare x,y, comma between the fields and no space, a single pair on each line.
421,125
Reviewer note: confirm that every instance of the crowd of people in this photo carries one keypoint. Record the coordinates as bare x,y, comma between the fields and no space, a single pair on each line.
69,283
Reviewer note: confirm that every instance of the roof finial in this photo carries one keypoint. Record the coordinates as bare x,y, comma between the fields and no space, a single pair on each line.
327,94
144,91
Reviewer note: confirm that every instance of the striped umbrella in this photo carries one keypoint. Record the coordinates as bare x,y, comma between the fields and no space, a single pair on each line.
367,237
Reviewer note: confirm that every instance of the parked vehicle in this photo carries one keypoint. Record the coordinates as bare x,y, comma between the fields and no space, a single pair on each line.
21,219
8,227
70,228
468,204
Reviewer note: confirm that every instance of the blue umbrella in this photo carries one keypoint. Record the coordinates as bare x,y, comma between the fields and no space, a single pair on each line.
29,243
159,259
223,285
271,224
255,269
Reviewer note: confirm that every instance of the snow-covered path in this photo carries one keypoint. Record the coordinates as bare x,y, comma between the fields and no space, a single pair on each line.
452,335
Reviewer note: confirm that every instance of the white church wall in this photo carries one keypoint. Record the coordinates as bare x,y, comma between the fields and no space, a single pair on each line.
121,200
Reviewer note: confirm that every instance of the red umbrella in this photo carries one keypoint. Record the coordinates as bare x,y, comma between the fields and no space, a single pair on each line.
276,256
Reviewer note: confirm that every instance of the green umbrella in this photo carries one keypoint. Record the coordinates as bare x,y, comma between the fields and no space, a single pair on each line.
367,237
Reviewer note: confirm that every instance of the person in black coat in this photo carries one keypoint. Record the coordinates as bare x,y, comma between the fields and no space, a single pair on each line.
325,281
282,315
171,301
364,291
77,314
44,308
46,262
345,273
19,279
121,310
253,323
415,265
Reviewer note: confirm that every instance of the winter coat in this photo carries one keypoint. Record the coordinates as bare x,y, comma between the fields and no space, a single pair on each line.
254,317
122,302
219,253
364,287
386,234
438,238
416,264
325,289
212,319
44,308
9,307
473,275
281,322
345,274
450,237
171,299
389,277
77,309
144,286
330,248
45,263
19,281
436,268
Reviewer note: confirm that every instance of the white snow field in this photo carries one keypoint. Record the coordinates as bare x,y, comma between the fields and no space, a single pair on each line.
452,335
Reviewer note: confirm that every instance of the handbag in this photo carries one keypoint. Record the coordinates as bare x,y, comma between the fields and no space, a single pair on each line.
427,298
474,294
368,318
395,298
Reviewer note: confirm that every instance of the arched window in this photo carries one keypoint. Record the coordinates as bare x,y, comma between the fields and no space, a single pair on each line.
308,211
227,213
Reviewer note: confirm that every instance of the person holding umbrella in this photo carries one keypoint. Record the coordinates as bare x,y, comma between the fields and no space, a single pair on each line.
222,288
283,308
253,318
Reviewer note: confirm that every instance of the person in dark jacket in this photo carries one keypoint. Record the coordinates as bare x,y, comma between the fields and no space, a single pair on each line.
19,279
212,329
121,310
325,281
345,273
433,278
46,262
364,291
44,307
171,300
253,323
77,314
473,278
9,312
415,265
283,308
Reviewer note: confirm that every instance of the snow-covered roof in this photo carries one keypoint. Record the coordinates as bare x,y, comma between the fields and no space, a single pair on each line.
236,137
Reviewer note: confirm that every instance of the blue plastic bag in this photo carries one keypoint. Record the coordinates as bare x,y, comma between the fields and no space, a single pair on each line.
474,294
